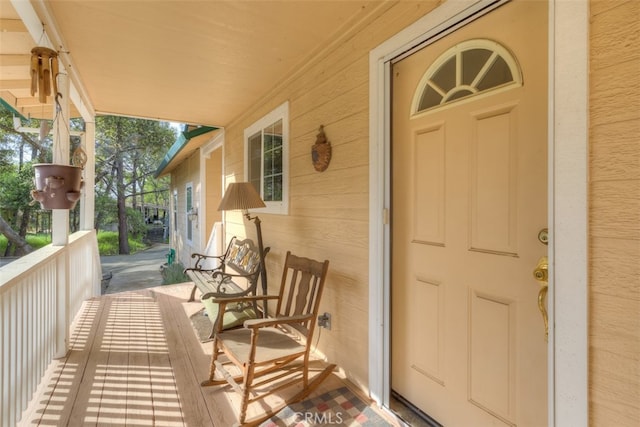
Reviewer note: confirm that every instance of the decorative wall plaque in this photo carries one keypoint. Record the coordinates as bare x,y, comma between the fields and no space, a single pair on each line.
321,151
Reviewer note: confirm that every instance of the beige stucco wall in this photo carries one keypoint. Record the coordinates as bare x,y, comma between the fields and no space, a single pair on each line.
614,214
328,211
188,171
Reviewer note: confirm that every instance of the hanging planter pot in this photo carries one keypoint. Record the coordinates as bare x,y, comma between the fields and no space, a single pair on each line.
57,186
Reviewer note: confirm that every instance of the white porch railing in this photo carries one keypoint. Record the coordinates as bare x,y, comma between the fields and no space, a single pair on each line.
40,295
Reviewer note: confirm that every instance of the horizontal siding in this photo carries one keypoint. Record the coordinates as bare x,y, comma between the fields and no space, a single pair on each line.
622,26
614,402
615,209
328,211
614,151
617,90
187,171
614,331
213,189
615,267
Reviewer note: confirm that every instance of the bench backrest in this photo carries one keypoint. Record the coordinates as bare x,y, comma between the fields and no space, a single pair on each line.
242,256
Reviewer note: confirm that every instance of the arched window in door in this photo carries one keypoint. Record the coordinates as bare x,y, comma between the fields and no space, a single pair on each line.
468,69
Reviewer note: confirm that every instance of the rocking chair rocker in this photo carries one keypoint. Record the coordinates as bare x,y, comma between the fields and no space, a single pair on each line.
267,351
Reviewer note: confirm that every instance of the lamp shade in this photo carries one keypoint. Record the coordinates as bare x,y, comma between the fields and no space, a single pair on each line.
241,196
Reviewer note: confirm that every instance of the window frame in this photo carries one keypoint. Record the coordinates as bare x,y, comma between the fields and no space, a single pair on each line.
175,209
279,113
189,223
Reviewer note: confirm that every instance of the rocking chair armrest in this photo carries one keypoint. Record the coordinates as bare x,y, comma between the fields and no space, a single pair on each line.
262,323
248,298
223,302
218,274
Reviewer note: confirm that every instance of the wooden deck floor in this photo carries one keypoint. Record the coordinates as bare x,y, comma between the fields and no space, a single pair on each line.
135,360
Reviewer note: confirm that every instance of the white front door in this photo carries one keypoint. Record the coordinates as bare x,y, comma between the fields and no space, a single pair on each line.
469,158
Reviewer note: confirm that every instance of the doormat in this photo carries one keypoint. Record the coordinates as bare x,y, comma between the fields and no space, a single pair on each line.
202,325
340,407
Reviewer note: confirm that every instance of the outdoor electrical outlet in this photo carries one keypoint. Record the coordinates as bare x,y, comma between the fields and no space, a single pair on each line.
324,321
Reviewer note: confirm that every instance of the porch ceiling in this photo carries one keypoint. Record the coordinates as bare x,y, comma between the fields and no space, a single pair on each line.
198,62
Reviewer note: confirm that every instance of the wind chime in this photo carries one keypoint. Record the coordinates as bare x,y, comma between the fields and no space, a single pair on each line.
44,70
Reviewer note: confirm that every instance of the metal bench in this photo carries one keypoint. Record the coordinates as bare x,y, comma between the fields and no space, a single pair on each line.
235,276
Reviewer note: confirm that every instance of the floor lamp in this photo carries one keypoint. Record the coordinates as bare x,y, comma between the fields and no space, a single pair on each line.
243,196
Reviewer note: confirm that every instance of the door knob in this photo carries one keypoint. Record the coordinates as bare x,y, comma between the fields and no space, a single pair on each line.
541,274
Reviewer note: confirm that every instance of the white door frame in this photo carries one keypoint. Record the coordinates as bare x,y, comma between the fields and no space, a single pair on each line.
567,198
214,143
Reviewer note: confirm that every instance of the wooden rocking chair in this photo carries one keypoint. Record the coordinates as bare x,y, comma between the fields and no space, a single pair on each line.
265,352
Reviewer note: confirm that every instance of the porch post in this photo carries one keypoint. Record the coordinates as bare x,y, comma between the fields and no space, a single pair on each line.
60,217
87,200
62,302
61,146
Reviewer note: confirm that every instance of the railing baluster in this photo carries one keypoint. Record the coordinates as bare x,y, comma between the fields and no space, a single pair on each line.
13,356
21,391
40,295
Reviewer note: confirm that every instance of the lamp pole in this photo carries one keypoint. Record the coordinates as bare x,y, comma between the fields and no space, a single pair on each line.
263,268
243,196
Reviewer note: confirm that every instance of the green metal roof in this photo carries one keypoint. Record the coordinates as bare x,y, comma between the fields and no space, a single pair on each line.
182,141
11,109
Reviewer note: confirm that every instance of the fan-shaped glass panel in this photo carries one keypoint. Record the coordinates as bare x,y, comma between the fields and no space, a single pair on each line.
468,69
445,76
498,74
472,62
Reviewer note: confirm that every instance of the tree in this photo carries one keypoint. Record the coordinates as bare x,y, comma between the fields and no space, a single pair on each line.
15,180
15,200
128,150
22,246
18,151
127,154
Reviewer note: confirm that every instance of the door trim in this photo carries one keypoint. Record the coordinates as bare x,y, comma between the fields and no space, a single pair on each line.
214,143
567,197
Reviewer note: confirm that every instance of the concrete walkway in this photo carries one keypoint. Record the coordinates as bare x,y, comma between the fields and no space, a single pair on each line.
135,271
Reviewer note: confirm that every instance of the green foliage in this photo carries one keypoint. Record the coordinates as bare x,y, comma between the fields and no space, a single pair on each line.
128,151
108,243
5,157
174,273
135,221
16,187
106,210
36,241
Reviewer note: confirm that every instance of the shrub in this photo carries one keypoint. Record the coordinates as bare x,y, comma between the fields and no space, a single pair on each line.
35,240
38,240
108,243
174,273
136,224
